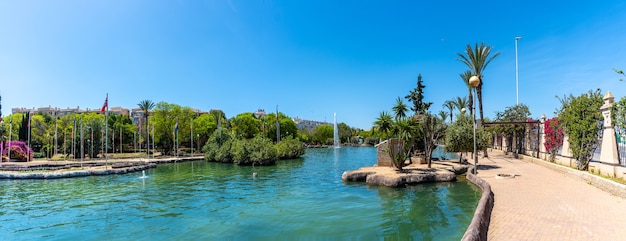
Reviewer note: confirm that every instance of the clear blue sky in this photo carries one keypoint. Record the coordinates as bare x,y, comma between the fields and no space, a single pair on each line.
311,58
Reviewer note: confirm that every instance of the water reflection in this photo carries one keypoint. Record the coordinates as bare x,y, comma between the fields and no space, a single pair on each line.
199,200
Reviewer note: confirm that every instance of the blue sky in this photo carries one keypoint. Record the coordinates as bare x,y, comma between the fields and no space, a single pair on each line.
311,58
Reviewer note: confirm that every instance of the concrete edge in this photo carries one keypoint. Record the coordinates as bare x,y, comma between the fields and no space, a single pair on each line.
479,227
607,185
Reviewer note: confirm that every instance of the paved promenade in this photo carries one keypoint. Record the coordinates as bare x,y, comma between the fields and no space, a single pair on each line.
543,204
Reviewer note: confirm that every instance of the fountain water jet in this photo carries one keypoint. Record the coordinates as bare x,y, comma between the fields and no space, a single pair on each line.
336,143
143,174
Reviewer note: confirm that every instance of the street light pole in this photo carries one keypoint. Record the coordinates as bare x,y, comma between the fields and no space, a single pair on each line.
516,72
474,81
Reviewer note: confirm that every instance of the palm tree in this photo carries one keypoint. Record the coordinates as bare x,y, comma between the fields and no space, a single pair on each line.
146,106
384,123
450,105
477,60
400,109
443,115
461,103
465,76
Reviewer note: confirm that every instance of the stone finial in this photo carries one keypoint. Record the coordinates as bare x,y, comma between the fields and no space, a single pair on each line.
608,101
606,109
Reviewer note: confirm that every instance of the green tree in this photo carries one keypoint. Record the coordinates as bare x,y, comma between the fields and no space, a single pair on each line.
443,115
344,132
469,103
460,136
516,113
450,104
582,120
164,119
146,106
287,126
477,60
432,130
416,96
383,124
203,126
323,134
400,109
461,103
245,125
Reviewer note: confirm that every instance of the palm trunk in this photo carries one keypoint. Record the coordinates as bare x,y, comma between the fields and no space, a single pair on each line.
470,102
479,95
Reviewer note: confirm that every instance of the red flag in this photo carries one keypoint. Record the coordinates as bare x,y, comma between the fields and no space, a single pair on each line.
106,104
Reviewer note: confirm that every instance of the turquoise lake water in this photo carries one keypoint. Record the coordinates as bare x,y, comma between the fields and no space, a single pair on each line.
296,199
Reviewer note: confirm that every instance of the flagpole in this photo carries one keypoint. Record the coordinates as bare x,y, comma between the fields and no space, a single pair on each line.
10,133
29,136
82,142
74,141
148,137
106,134
191,136
56,143
121,141
152,141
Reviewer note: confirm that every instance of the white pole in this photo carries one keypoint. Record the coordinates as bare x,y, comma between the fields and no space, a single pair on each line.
56,143
10,132
516,73
29,136
82,144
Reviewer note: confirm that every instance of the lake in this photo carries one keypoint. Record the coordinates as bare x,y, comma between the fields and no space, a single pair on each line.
303,198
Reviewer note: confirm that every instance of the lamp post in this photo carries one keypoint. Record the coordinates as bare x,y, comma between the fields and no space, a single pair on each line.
516,72
474,81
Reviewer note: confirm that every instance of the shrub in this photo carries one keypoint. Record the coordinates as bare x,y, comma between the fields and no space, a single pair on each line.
289,148
255,151
19,150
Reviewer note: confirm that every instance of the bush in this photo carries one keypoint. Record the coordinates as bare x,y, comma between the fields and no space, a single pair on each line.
255,151
218,149
289,148
19,150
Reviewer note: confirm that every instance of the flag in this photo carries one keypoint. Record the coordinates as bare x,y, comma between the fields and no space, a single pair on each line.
106,104
176,126
191,125
139,125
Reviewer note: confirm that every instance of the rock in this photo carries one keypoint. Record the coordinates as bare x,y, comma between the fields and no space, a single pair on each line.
386,176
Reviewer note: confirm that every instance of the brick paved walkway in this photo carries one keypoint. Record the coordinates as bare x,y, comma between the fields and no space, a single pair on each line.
543,204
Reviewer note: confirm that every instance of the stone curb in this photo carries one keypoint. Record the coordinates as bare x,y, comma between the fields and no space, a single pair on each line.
55,175
479,227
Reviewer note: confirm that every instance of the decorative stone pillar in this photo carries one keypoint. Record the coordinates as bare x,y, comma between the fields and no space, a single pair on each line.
608,153
542,140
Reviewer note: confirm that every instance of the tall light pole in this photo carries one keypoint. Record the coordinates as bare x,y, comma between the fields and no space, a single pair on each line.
474,81
516,72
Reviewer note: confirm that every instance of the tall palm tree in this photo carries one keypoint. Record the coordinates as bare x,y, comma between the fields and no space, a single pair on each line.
443,115
146,106
461,103
384,123
450,105
477,60
400,109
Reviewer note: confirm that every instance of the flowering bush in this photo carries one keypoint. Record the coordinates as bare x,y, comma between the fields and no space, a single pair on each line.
19,150
554,137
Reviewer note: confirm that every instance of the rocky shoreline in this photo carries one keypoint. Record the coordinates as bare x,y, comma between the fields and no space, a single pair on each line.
410,175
